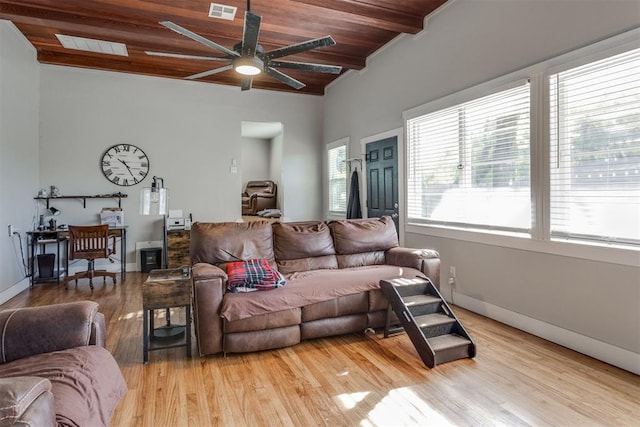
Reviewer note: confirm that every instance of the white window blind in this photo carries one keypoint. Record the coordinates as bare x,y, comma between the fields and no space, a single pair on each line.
336,157
595,150
469,165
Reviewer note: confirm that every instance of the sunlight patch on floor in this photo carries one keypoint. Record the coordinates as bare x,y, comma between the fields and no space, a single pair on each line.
402,407
350,400
131,315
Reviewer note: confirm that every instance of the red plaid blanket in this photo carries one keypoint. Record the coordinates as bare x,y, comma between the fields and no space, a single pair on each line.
253,275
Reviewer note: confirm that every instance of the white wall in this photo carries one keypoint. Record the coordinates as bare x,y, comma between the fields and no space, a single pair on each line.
589,305
18,152
189,130
275,166
255,160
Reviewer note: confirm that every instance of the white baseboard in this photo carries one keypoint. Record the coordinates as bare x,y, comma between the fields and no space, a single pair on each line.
608,353
14,290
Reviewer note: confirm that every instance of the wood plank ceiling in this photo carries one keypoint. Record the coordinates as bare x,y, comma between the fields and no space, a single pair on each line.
359,27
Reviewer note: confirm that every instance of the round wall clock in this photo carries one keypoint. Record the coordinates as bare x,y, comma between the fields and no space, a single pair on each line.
125,164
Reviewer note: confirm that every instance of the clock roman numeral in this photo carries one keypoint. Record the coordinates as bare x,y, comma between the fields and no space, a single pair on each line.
108,172
106,163
125,181
116,179
142,174
126,147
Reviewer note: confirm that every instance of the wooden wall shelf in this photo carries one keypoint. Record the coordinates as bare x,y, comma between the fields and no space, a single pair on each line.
118,196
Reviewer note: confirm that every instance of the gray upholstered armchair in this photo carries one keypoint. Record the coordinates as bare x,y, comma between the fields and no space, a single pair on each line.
258,196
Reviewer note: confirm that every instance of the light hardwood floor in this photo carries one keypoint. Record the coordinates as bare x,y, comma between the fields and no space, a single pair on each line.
516,379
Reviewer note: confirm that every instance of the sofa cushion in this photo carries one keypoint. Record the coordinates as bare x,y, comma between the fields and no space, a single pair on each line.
35,330
266,339
86,383
309,287
289,266
278,319
335,307
224,242
303,246
365,238
362,259
333,326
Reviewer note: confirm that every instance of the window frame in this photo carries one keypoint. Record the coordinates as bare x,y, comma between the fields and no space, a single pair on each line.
459,100
539,238
332,214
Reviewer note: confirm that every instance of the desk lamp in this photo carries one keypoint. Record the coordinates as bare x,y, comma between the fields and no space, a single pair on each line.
154,200
48,213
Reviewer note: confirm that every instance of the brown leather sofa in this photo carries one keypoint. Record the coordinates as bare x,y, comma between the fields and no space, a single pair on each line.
54,369
258,196
333,272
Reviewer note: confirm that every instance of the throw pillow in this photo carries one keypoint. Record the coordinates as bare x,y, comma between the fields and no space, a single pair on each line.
253,275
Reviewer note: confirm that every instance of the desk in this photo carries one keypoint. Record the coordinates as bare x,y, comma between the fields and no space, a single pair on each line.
61,237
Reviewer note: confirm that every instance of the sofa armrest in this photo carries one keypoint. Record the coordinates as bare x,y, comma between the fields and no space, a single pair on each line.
264,195
26,401
425,260
35,330
209,285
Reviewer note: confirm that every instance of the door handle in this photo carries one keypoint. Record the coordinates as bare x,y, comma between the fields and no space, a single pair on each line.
395,205
394,215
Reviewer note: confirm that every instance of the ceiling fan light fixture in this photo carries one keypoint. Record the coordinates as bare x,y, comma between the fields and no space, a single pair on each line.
248,65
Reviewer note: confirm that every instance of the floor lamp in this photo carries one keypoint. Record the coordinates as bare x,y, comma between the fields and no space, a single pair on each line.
155,201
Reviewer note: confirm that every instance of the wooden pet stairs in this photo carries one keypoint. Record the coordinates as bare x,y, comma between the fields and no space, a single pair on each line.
433,328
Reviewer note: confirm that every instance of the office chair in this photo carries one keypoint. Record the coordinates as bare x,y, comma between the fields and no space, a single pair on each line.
90,243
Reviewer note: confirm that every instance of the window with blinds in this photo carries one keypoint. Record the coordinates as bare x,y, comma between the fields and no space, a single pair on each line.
336,157
595,150
469,164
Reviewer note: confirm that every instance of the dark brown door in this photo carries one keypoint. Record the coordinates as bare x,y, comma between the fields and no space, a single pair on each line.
382,178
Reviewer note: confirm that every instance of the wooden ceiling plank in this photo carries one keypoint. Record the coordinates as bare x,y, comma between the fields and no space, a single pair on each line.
310,13
385,14
360,27
156,39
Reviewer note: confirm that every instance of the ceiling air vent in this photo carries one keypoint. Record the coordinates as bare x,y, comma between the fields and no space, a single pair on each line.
222,11
91,45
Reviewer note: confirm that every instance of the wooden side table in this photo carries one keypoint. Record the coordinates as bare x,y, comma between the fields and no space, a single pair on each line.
165,289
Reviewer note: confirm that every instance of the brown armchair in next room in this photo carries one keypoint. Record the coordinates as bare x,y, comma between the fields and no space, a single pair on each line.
258,196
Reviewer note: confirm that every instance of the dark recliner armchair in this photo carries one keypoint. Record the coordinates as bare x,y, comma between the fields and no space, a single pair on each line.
258,196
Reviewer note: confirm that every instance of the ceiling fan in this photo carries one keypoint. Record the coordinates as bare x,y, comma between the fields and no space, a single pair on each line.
248,58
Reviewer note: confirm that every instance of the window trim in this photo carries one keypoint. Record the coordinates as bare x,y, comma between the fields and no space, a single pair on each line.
539,239
330,146
456,100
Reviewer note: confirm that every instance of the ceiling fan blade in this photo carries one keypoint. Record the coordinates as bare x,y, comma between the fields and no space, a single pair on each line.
300,47
250,33
284,78
183,56
210,72
245,83
193,36
306,66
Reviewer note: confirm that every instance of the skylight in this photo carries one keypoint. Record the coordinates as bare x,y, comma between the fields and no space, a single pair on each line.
91,45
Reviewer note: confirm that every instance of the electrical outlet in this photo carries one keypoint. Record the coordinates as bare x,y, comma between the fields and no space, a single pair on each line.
452,276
